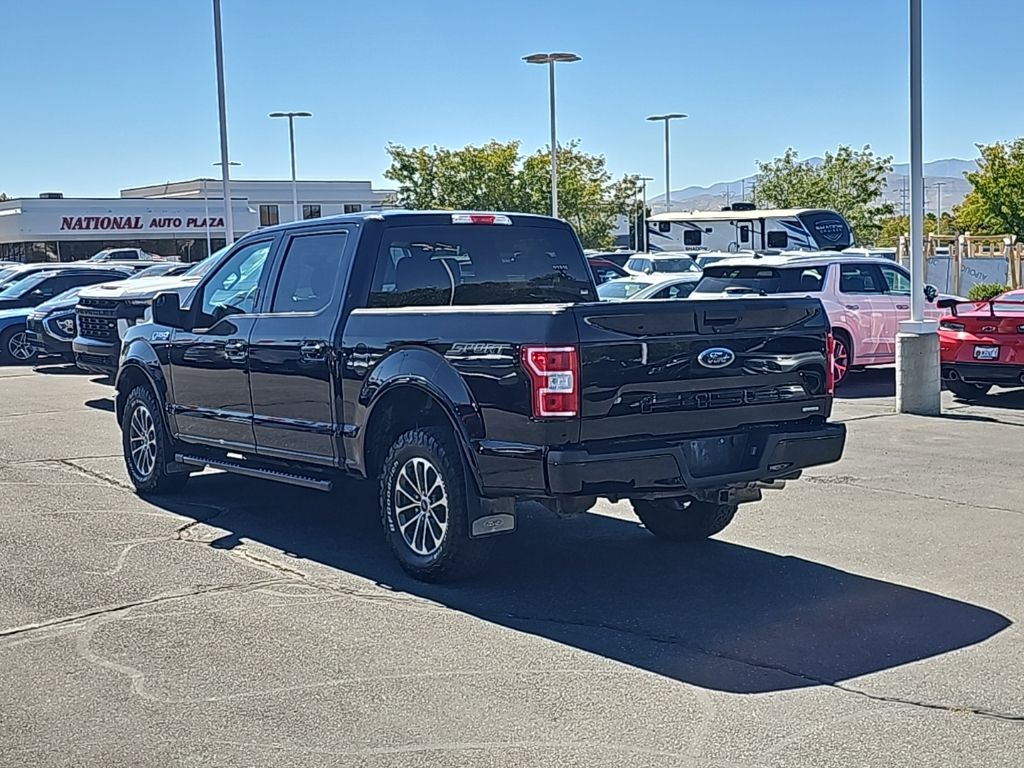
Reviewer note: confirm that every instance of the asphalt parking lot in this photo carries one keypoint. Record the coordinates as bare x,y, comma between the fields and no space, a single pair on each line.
867,615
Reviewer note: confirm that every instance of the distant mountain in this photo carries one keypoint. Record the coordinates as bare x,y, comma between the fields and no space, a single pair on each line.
949,173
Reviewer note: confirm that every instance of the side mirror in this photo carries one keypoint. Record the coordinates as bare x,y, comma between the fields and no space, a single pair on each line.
167,311
946,303
649,270
930,293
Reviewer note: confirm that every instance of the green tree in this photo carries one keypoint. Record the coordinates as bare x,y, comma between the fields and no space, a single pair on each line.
496,176
3,197
849,181
892,227
996,204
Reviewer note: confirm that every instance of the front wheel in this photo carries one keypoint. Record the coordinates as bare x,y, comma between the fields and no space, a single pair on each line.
424,497
967,391
16,348
683,520
147,446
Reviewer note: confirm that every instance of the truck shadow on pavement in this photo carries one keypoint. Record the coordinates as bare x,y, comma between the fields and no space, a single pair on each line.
718,615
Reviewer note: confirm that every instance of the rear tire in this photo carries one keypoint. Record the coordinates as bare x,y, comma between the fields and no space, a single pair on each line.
15,348
425,493
967,391
679,520
147,446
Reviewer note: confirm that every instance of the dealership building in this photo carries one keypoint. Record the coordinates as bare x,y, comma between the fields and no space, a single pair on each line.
179,220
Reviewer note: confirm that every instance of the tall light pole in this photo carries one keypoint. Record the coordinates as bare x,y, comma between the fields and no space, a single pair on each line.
918,387
643,209
550,59
206,209
291,142
667,119
938,206
225,173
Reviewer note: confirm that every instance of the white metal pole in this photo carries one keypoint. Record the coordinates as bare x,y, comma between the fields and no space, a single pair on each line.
644,215
916,169
554,140
668,186
295,188
206,217
225,171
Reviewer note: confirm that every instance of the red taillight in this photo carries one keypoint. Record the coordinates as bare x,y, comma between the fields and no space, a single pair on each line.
554,380
830,368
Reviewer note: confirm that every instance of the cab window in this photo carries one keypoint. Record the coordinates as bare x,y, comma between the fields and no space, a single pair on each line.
233,287
311,274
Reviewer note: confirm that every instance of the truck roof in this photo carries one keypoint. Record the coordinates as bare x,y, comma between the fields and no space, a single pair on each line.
397,214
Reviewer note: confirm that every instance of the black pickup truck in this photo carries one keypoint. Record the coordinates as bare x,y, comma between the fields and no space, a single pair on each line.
462,361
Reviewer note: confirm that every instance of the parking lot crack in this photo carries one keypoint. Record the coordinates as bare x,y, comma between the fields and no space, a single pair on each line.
768,667
75,619
107,479
848,480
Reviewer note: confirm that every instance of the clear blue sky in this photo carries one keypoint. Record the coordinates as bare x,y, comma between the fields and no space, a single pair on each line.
102,94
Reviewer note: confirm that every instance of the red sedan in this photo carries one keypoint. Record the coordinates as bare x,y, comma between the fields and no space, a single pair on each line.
982,344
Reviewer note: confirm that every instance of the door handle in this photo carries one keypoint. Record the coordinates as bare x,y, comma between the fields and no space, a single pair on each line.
902,306
313,351
853,306
236,350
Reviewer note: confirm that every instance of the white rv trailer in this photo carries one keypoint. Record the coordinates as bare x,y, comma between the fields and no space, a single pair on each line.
742,227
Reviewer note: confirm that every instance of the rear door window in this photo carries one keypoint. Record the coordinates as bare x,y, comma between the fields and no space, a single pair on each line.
312,272
860,279
767,280
896,280
447,265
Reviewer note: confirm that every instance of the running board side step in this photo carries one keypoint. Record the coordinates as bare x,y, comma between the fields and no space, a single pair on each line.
303,481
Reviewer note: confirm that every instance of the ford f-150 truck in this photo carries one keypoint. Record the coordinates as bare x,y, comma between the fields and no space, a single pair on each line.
461,361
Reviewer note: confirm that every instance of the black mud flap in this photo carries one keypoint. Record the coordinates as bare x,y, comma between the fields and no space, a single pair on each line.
488,517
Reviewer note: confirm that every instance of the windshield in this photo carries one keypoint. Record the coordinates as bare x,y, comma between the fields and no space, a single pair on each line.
620,289
67,299
479,264
768,280
680,264
202,267
160,270
22,285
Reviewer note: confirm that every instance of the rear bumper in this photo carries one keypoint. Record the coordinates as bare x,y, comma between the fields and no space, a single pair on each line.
95,355
665,469
985,373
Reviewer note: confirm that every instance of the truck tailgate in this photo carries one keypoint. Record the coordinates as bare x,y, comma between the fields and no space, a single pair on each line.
661,368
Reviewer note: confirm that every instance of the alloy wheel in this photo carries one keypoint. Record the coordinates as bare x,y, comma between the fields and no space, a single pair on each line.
840,359
420,506
20,348
142,441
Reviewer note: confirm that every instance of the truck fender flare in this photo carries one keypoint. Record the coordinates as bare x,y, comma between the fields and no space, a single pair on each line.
140,360
428,372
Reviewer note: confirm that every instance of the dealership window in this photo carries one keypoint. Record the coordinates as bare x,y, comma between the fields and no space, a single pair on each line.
353,207
311,211
269,216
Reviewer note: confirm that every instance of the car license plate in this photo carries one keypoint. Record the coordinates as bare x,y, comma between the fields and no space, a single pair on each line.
986,353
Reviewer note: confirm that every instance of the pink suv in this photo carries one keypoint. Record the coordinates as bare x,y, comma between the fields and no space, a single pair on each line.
865,297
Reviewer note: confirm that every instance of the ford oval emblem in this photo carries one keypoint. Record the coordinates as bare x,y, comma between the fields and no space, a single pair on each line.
716,357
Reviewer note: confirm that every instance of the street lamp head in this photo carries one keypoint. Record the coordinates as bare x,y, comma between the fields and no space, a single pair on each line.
230,162
645,178
670,116
290,114
547,58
